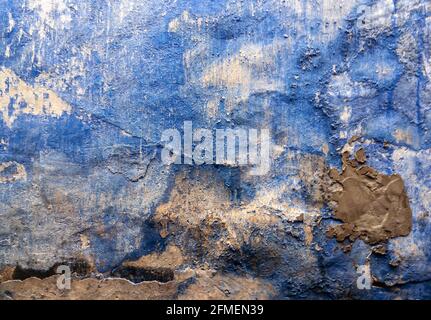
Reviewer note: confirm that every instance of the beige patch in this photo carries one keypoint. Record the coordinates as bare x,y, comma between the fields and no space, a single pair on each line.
245,72
89,289
18,172
6,273
212,108
14,93
85,242
308,230
325,149
221,287
405,136
184,20
201,205
170,258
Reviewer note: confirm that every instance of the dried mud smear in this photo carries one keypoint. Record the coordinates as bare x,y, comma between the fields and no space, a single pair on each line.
372,206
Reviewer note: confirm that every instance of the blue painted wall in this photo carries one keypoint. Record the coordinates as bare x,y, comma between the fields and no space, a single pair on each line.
87,87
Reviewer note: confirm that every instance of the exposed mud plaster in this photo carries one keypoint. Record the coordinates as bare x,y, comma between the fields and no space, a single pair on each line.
93,289
215,287
200,206
203,205
199,284
6,273
204,218
85,242
170,258
18,97
372,206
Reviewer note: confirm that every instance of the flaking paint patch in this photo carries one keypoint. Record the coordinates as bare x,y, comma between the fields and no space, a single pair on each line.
331,13
408,162
405,8
346,114
201,208
18,97
405,136
312,174
12,171
244,73
212,107
46,10
185,20
85,241
376,18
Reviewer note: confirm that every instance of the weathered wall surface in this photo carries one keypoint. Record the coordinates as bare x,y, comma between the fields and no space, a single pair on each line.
86,88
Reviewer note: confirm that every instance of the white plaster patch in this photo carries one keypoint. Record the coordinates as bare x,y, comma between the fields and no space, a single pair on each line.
4,144
341,86
7,51
332,13
406,162
300,14
405,8
427,66
185,20
11,22
377,18
384,71
46,9
52,16
212,107
346,114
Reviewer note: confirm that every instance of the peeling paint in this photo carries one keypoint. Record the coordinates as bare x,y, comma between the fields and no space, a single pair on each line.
11,172
18,97
88,86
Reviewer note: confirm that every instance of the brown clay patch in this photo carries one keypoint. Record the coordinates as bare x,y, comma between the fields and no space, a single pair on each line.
372,206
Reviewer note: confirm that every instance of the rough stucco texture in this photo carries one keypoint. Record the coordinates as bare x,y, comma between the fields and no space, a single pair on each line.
86,88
